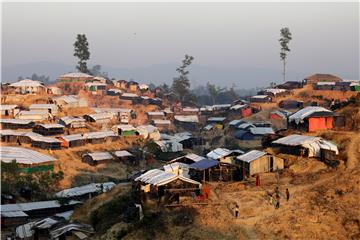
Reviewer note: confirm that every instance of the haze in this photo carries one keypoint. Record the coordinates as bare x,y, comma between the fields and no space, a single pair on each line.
233,43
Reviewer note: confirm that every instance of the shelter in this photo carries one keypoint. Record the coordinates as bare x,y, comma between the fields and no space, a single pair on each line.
311,119
100,137
35,115
321,77
28,160
114,92
155,115
169,146
280,114
218,122
188,158
149,132
289,85
96,158
49,129
224,155
16,123
75,77
275,92
244,109
9,110
100,118
255,161
125,130
290,104
40,141
74,140
134,98
202,170
260,99
124,156
305,146
187,122
73,122
54,90
70,101
28,86
161,124
95,86
86,191
51,108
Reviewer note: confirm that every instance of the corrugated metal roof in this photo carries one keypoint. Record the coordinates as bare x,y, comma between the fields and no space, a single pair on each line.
194,157
245,125
124,127
238,106
161,121
68,98
251,155
7,107
235,122
16,121
187,118
275,90
101,116
34,112
204,164
129,95
122,153
23,156
51,125
41,106
262,130
99,134
76,75
305,112
189,109
208,127
216,119
85,189
282,113
260,96
100,156
295,140
72,137
9,132
68,119
219,153
27,83
39,138
156,113
325,83
169,146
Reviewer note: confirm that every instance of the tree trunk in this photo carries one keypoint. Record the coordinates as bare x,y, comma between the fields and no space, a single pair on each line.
284,70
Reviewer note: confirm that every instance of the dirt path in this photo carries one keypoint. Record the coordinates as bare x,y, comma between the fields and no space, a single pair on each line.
353,152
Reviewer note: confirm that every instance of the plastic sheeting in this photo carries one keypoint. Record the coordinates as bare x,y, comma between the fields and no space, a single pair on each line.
300,115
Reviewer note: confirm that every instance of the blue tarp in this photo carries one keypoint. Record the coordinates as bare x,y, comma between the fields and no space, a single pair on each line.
204,164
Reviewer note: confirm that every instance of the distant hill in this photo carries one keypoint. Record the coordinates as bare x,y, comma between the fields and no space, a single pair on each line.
160,73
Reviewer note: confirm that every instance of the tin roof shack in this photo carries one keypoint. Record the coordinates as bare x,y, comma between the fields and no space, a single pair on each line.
86,191
321,77
185,138
132,97
97,158
291,104
11,136
189,111
203,170
74,140
16,124
99,118
311,119
280,114
95,87
72,122
28,86
114,92
169,146
254,162
70,101
35,115
149,132
155,115
244,109
260,99
122,114
125,157
324,86
217,122
51,108
49,129
290,85
274,92
75,77
125,130
28,160
40,141
307,146
100,137
187,122
235,123
259,132
161,124
189,158
17,213
167,186
9,110
224,155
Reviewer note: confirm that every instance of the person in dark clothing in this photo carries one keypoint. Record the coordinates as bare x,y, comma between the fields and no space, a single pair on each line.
18,141
277,197
236,211
287,194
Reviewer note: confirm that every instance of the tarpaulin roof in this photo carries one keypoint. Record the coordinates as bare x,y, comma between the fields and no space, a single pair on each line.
68,98
274,90
282,113
236,122
51,125
260,96
16,121
169,146
100,156
219,153
187,118
161,121
216,119
251,155
26,83
76,75
156,113
314,144
69,119
45,106
101,116
204,164
99,134
238,106
72,137
85,189
300,115
7,107
122,153
124,127
23,155
262,130
245,125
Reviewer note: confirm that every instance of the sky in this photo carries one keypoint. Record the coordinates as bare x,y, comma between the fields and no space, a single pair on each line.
152,38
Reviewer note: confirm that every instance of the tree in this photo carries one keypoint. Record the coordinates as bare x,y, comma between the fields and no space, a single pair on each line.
181,84
214,91
81,51
285,37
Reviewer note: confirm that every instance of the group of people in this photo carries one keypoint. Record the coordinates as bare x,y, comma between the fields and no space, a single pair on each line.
276,196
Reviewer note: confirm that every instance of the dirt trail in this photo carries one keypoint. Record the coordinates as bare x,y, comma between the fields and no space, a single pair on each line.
353,152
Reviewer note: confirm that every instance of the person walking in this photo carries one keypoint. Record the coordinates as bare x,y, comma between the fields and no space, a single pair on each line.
236,211
277,197
287,194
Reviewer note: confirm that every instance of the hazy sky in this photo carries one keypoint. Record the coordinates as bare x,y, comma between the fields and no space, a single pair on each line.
232,35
